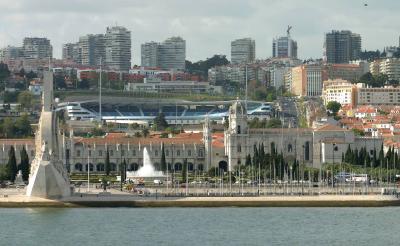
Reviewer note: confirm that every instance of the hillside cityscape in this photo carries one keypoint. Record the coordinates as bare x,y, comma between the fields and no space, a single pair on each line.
176,122
349,98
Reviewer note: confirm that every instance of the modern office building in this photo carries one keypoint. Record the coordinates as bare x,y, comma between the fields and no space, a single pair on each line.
118,48
243,51
341,47
37,48
284,47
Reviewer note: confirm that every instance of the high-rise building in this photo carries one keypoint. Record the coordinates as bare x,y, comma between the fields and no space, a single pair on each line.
149,54
37,48
170,54
92,48
10,53
118,48
342,47
284,47
243,50
68,51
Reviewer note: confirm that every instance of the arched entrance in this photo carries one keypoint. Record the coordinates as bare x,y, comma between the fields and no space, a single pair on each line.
100,167
78,167
190,167
133,167
113,167
200,167
178,166
91,167
223,165
157,166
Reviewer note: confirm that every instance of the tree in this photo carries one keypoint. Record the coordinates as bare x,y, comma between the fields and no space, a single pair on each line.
184,171
334,107
123,170
59,81
21,72
201,67
248,160
84,84
274,123
24,165
358,132
23,126
8,128
163,161
12,165
159,122
4,72
31,75
25,99
107,164
145,132
381,156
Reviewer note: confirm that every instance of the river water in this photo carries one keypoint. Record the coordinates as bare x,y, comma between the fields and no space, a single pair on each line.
200,226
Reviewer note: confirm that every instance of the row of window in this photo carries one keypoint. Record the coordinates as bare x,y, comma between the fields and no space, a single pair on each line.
156,152
79,167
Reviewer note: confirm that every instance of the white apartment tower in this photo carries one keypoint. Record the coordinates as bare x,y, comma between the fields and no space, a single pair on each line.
37,48
149,54
118,48
170,54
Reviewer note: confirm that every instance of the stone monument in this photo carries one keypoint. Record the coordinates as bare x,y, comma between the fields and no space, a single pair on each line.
48,177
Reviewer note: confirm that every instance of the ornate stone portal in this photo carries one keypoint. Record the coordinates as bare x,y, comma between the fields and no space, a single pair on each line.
48,177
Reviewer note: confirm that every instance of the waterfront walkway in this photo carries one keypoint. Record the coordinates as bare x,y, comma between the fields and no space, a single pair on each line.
122,199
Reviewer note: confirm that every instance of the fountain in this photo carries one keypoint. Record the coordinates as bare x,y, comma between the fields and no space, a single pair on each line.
147,170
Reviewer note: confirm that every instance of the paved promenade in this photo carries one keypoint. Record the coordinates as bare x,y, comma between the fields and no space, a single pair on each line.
122,199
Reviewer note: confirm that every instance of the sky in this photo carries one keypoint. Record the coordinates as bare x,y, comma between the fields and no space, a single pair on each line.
208,26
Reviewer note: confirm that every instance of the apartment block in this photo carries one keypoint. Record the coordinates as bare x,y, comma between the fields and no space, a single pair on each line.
306,80
243,51
339,90
342,47
168,55
37,48
118,48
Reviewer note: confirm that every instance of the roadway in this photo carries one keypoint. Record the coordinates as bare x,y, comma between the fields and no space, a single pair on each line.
288,112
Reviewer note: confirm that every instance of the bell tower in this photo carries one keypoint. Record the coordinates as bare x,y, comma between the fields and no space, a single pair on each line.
236,136
238,118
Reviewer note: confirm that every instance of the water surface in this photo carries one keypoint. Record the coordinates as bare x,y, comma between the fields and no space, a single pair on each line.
200,226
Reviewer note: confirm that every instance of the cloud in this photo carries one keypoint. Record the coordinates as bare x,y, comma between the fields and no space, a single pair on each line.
208,26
